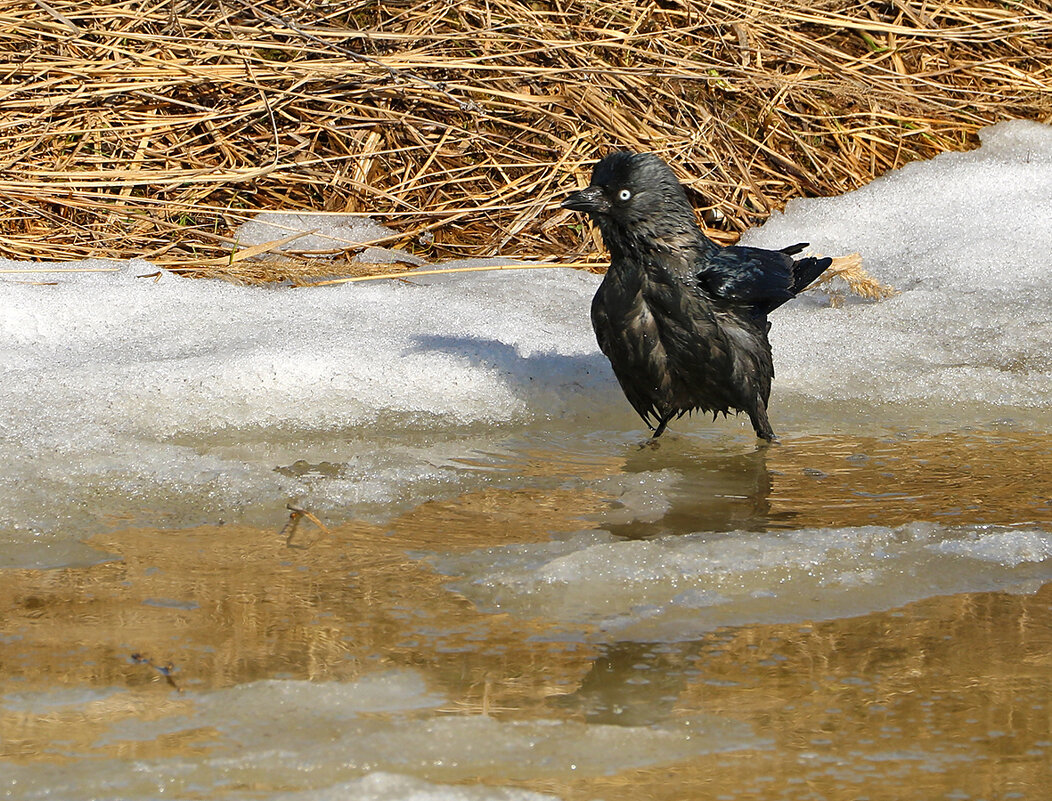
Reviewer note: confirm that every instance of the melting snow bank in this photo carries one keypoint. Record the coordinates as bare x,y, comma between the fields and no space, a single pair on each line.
118,386
314,740
191,358
966,237
676,588
198,398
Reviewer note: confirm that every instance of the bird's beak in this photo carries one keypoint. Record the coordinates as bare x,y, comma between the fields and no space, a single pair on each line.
590,199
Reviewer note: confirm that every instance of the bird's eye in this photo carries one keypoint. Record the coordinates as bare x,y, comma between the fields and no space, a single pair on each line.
624,195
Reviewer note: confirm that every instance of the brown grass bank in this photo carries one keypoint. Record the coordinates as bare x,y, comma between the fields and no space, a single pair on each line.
153,129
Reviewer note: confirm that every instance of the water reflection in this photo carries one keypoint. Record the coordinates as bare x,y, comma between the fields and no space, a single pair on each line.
981,476
633,684
978,476
708,482
714,491
942,696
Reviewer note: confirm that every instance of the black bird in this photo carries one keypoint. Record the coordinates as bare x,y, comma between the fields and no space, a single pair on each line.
682,320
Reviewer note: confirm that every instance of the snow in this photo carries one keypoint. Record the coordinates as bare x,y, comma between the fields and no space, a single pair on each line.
965,237
678,587
120,392
320,738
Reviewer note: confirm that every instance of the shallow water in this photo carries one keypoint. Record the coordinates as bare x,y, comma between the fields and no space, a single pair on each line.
524,637
505,592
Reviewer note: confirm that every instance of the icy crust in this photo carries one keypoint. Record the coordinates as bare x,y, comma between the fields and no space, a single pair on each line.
679,587
180,356
315,740
965,237
114,386
395,787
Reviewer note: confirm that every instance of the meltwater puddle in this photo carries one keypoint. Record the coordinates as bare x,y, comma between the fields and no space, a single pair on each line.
815,528
718,617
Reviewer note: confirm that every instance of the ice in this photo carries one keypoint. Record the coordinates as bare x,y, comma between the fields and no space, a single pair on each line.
679,587
965,237
121,393
309,738
1009,548
321,234
187,357
389,691
87,780
395,787
44,550
160,389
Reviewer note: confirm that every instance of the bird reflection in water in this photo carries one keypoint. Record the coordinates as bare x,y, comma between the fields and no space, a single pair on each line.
715,492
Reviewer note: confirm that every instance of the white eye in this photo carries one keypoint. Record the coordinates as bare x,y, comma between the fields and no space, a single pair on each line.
624,195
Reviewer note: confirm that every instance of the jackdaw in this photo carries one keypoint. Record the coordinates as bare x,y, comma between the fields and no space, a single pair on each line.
682,320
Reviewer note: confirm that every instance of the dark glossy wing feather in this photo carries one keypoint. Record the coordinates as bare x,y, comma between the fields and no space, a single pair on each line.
764,279
748,275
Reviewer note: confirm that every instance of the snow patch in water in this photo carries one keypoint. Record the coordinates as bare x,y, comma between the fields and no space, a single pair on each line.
676,588
396,787
304,737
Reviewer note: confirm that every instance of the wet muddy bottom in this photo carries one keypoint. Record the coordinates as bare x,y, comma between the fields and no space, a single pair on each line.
830,618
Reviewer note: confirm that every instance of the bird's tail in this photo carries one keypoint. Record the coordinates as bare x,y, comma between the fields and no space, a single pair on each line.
807,270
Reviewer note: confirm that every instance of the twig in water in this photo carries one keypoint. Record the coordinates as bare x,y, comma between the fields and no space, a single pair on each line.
296,514
164,670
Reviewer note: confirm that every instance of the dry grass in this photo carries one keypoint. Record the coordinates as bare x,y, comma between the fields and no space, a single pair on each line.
846,275
153,129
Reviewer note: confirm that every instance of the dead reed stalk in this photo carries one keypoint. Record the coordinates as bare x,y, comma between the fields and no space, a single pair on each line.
153,130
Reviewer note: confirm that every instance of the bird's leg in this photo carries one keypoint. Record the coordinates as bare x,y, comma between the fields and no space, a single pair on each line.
661,427
658,431
760,423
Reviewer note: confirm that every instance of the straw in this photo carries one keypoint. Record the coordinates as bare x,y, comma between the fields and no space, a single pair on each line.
153,131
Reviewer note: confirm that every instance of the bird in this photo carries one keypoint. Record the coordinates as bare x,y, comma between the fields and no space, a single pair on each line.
683,320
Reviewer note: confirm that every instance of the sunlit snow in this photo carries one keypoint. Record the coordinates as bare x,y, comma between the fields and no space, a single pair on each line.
113,384
966,238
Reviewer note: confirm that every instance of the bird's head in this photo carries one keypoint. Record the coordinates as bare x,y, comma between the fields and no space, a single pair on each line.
634,194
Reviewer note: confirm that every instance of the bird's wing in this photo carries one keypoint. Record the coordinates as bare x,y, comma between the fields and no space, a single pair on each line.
748,275
601,323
